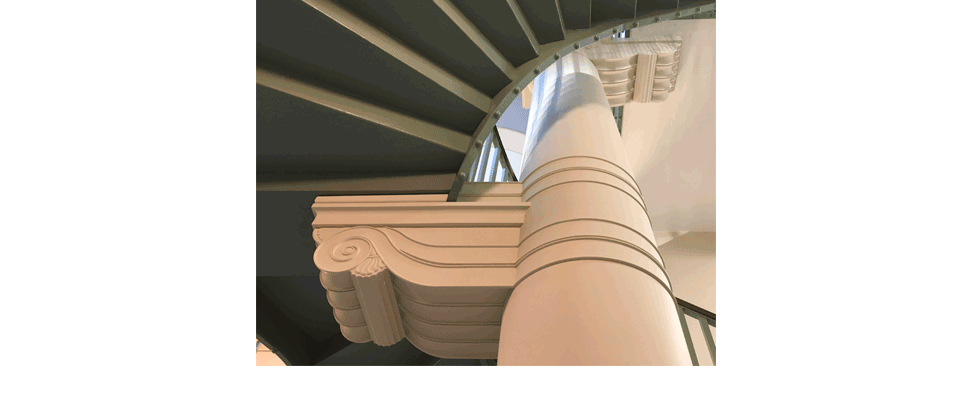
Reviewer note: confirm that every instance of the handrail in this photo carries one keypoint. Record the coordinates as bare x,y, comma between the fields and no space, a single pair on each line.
708,315
502,171
506,160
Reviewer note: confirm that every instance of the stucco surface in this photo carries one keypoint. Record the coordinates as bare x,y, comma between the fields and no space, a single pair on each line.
672,144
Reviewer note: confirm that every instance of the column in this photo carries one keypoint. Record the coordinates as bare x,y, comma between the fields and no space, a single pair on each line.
590,285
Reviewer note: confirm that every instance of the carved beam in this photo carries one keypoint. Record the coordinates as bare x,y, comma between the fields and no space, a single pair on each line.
415,266
640,71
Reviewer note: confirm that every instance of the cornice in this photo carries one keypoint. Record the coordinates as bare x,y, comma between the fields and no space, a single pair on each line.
385,285
420,214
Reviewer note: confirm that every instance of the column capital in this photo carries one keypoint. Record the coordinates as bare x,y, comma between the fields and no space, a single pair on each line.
414,266
640,71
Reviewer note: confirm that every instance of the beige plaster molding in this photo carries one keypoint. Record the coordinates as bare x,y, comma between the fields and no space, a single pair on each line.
587,253
438,273
441,273
641,71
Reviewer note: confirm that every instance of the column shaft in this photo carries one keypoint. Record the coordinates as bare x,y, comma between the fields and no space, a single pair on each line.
591,288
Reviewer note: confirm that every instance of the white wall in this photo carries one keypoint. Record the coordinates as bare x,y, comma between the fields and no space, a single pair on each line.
690,260
671,144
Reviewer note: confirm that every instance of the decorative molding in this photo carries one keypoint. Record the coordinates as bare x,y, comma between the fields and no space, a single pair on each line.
420,214
371,266
378,303
654,62
444,284
405,296
548,163
454,331
645,77
590,181
571,161
343,300
419,318
355,260
336,283
602,238
490,192
388,279
598,220
527,187
356,334
592,248
350,317
453,349
590,258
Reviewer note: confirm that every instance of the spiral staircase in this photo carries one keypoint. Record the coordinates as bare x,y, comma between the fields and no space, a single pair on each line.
391,97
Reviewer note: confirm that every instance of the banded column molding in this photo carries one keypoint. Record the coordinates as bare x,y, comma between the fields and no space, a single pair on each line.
565,260
591,287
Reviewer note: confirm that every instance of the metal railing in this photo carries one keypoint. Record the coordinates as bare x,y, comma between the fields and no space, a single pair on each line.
491,164
705,319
